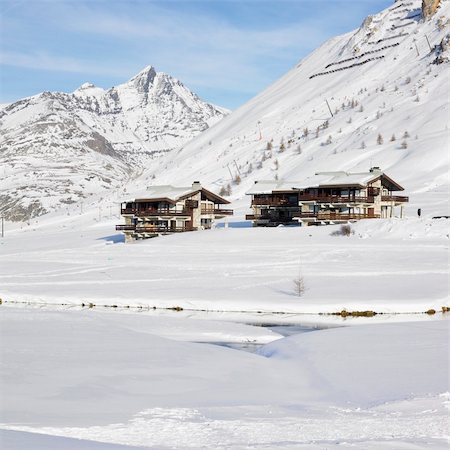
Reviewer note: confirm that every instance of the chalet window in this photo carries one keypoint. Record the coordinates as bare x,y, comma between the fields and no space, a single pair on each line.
292,199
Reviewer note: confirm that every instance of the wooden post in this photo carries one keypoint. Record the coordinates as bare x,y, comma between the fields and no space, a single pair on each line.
331,112
429,45
229,170
237,167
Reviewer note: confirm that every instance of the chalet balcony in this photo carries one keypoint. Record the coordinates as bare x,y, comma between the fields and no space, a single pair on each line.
155,212
334,198
336,216
257,217
273,202
152,229
217,211
394,198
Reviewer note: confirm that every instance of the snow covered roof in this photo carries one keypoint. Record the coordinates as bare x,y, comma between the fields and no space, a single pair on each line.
268,186
324,179
172,194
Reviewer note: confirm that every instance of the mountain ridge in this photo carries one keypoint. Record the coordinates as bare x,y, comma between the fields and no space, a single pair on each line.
105,137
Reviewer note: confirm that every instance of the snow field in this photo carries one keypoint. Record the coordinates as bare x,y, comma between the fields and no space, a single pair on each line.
110,378
389,266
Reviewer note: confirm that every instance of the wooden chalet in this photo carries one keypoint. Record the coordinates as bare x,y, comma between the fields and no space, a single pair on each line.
326,198
169,209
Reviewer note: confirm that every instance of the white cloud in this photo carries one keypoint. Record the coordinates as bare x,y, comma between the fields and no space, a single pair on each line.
45,61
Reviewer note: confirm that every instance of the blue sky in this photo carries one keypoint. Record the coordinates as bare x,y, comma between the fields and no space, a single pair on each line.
224,50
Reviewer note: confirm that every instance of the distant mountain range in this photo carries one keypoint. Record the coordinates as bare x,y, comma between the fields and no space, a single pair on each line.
377,96
57,148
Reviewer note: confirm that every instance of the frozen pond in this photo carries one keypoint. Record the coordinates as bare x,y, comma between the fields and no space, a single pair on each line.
246,331
284,330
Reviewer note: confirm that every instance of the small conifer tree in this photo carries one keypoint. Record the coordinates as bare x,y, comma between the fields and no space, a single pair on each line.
380,139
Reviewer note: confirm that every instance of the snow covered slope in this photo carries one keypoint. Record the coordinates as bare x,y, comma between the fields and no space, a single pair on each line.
389,78
57,148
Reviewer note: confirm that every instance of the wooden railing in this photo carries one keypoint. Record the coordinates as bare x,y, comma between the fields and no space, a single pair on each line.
125,227
155,212
394,198
336,216
272,202
335,198
257,217
152,229
217,211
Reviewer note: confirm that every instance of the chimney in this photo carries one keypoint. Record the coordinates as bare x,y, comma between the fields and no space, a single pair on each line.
196,186
375,169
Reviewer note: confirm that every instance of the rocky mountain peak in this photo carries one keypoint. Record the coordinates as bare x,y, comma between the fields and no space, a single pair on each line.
143,79
71,146
88,89
85,86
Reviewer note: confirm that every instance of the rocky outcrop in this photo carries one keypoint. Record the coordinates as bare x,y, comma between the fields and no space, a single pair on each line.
429,7
443,51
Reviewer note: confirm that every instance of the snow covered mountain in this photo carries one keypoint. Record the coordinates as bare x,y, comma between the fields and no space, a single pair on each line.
386,85
377,96
57,148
